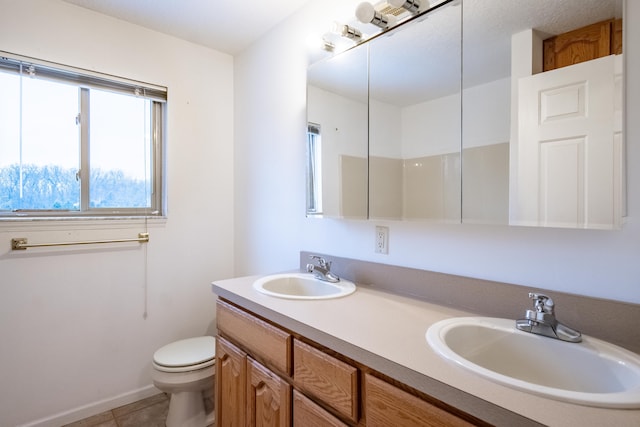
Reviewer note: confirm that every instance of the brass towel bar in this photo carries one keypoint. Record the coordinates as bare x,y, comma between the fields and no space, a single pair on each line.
21,243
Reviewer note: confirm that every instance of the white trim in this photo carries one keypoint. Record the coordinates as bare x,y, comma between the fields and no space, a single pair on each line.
85,72
94,408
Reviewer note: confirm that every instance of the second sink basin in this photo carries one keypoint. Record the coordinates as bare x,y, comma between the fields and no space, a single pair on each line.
302,286
592,373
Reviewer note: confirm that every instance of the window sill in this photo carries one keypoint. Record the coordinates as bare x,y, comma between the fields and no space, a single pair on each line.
52,223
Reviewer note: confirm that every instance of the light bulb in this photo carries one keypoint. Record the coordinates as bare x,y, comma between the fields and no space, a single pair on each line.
413,6
366,13
347,31
327,46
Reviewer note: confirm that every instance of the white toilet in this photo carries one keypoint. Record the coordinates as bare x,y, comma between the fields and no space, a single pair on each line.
185,369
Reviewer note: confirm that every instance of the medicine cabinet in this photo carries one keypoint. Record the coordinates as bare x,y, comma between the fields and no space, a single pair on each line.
479,111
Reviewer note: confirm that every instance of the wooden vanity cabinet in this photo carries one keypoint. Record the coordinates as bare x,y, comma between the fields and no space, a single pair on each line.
265,342
327,379
247,393
307,413
269,377
387,405
268,397
231,380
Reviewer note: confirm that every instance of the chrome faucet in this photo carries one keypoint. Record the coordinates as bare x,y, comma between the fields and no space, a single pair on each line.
542,321
322,271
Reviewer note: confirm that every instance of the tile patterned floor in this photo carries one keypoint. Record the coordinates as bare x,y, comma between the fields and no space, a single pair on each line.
150,412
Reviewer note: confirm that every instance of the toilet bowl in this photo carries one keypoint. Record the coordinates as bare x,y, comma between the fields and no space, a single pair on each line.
185,369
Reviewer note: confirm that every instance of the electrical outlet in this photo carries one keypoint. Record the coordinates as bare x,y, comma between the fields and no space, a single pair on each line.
382,240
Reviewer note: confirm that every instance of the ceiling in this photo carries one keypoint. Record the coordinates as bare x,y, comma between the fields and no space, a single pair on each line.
422,62
228,26
231,26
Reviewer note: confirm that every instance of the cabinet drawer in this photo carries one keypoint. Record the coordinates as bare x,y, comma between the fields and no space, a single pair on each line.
326,378
261,339
307,413
386,405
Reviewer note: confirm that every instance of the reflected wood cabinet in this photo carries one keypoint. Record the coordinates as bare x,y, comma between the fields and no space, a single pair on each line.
583,44
268,376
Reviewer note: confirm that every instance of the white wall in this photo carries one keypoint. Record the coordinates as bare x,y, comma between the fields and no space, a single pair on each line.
431,128
385,130
479,124
71,320
595,263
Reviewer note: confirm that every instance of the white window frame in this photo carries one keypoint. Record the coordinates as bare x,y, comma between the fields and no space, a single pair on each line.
86,80
314,170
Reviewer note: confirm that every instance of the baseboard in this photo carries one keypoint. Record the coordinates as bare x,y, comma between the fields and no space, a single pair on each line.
94,408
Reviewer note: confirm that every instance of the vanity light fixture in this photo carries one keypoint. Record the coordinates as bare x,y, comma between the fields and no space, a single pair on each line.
366,13
328,46
412,6
347,31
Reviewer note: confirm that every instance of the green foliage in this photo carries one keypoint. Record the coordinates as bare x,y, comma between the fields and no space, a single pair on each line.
54,188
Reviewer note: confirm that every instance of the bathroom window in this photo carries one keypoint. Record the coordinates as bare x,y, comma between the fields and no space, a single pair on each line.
314,170
78,143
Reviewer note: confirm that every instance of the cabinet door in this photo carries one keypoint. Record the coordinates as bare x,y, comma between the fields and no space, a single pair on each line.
568,153
268,397
231,380
580,45
307,413
386,405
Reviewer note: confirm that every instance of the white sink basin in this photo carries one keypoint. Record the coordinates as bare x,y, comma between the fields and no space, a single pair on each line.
592,373
302,286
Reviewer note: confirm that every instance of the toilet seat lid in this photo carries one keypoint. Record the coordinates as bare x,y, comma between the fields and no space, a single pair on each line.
187,352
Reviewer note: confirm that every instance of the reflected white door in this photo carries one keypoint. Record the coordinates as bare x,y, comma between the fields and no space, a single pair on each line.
569,147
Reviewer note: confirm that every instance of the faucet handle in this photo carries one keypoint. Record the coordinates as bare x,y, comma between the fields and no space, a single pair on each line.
542,303
321,261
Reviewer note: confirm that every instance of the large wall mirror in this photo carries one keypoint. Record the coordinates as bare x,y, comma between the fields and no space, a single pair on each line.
480,111
542,123
337,136
414,119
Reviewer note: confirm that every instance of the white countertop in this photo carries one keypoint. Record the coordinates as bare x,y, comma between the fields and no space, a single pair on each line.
393,327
